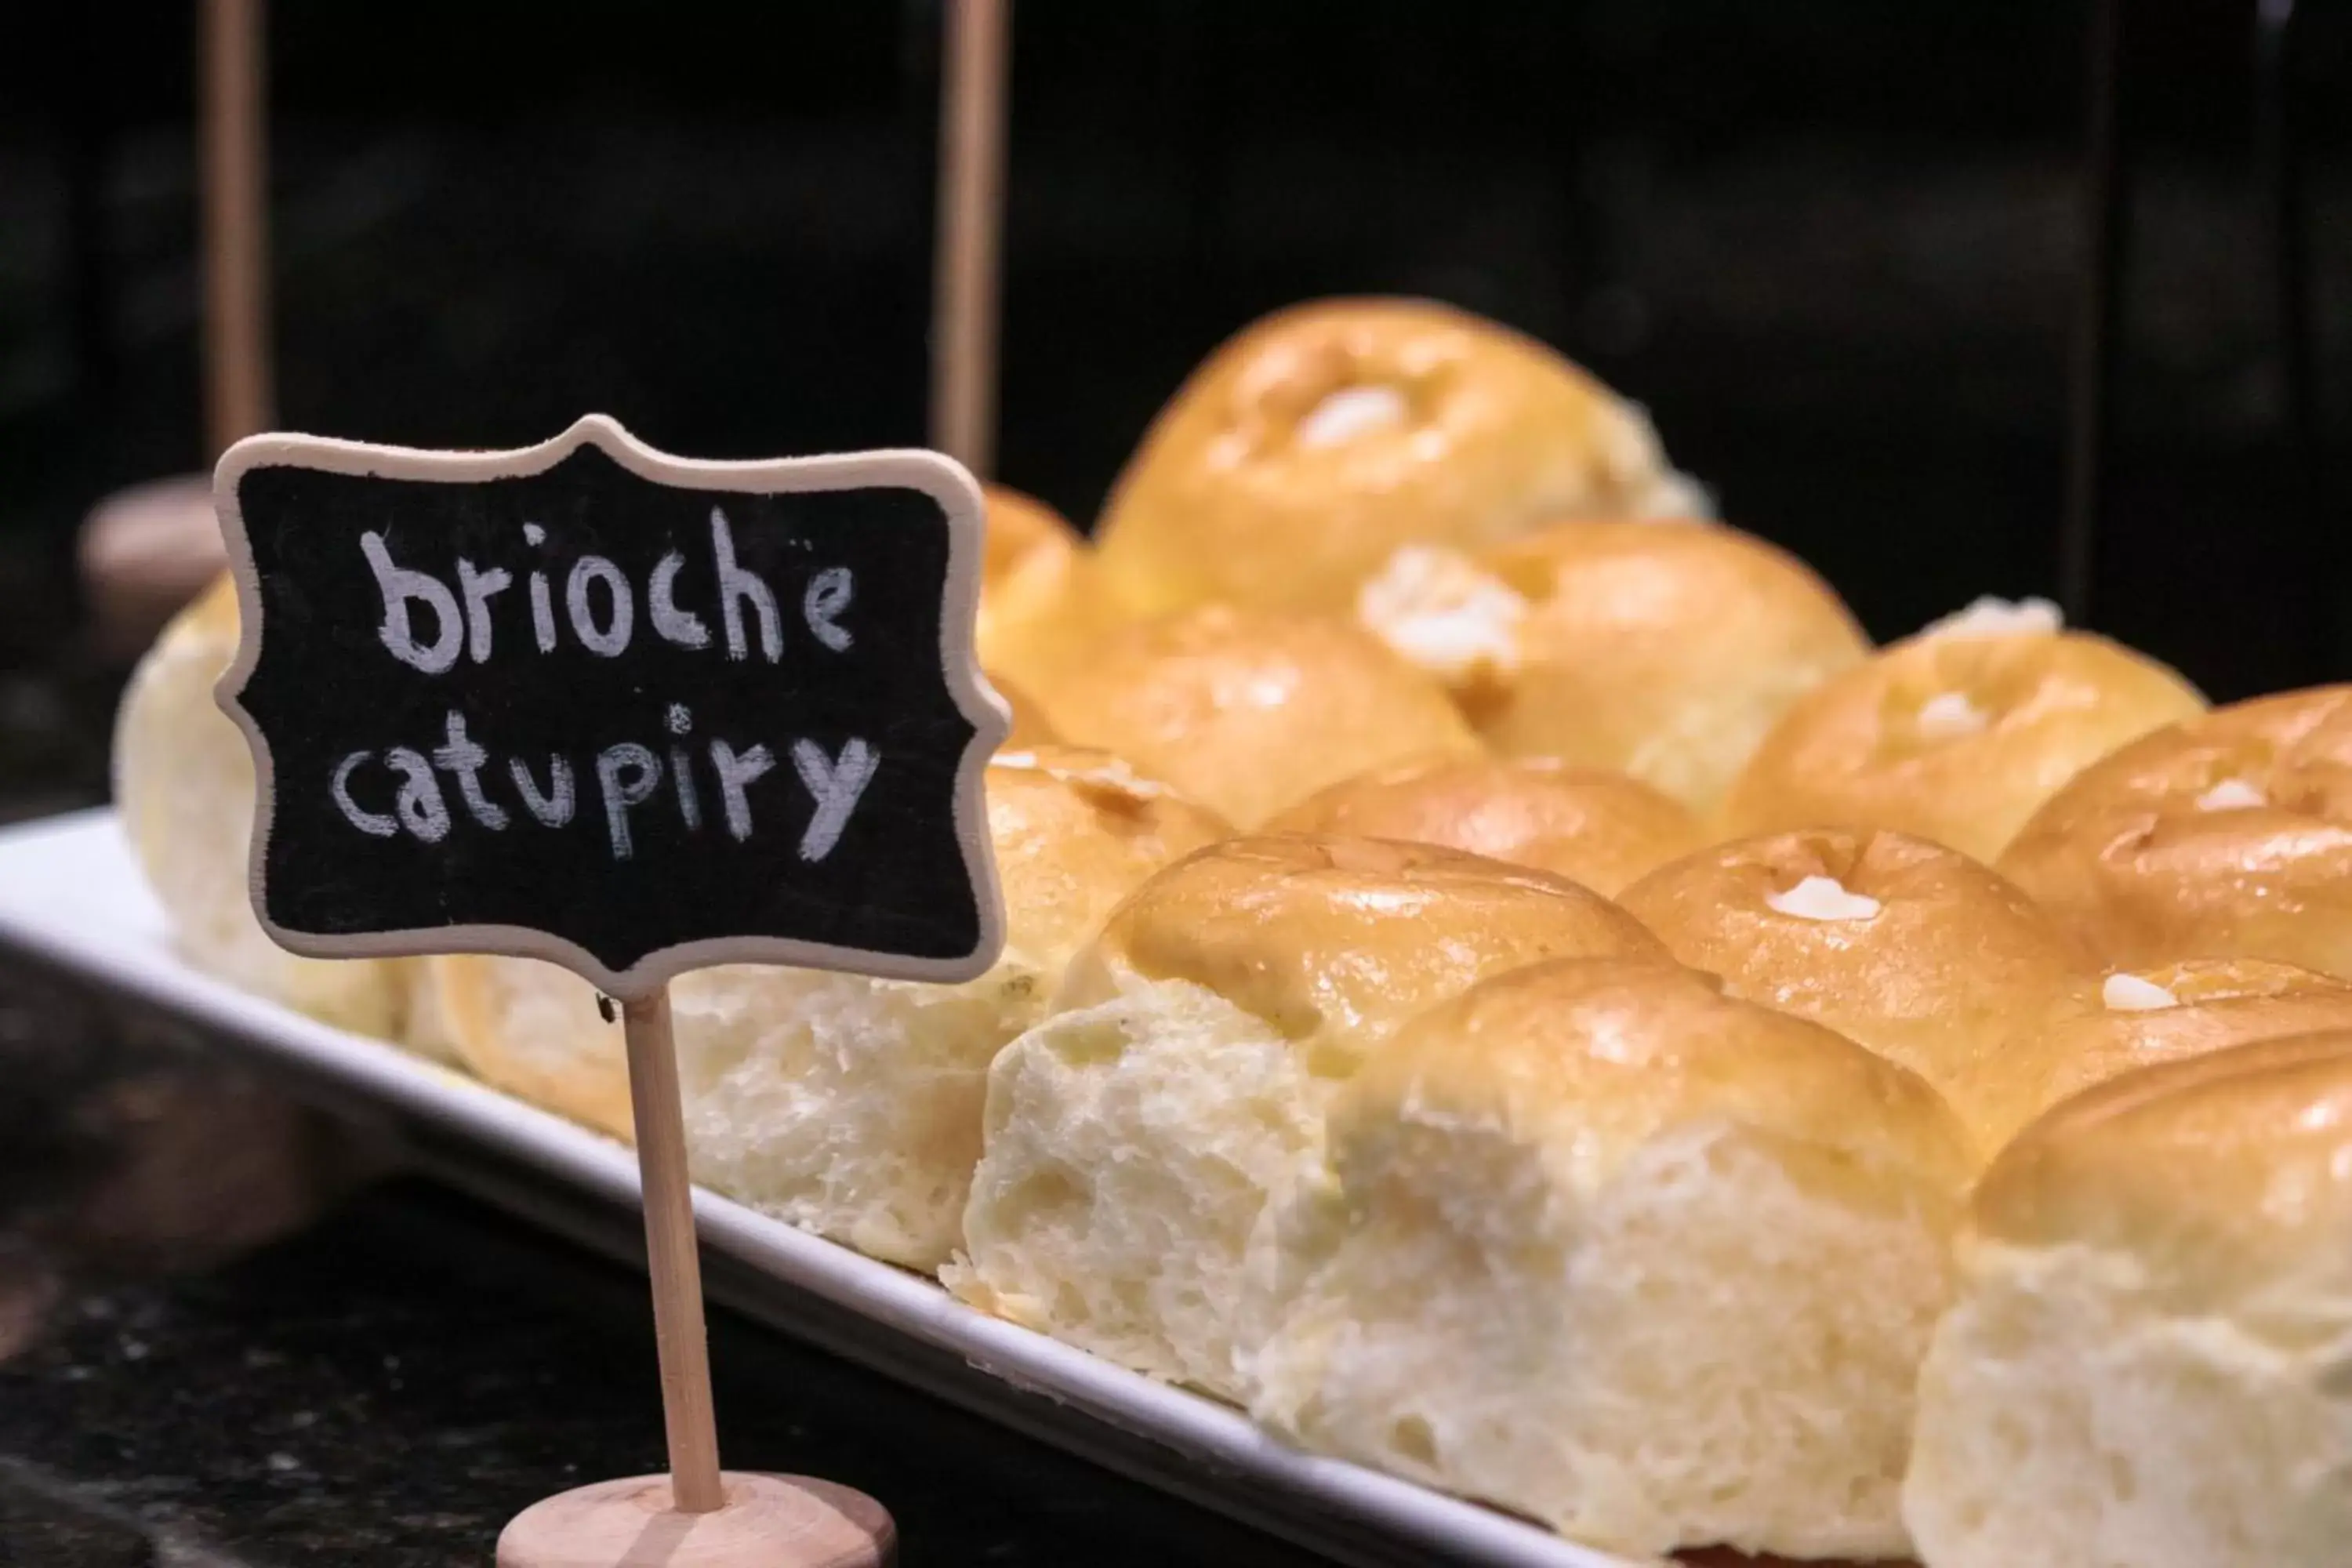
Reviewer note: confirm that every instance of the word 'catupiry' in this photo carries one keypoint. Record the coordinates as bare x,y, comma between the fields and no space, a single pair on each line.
627,777
463,623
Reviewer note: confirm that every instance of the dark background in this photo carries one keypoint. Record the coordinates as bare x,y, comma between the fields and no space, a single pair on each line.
1835,246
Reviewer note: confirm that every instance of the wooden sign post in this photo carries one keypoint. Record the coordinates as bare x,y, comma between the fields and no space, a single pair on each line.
632,714
967,270
236,184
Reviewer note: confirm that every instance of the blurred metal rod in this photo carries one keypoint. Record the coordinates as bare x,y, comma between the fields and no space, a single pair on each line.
2098,320
967,280
230,90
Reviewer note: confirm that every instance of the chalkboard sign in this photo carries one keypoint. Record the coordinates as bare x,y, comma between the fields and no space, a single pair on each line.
629,713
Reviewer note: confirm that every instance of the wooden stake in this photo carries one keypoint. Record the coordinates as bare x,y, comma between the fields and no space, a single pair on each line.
236,196
670,1254
694,1517
966,279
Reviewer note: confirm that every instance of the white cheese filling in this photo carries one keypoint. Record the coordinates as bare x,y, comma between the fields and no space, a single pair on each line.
1950,716
1995,617
2130,994
1443,614
1823,899
1350,412
2232,795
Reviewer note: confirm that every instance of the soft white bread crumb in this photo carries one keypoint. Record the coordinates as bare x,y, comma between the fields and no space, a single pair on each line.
846,1104
1131,1147
2146,1366
1598,1244
183,782
1134,1140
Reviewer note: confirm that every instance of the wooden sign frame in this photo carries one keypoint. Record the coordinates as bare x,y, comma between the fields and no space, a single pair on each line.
940,477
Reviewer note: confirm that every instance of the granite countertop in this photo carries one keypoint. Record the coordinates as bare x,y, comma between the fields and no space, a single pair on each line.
232,1332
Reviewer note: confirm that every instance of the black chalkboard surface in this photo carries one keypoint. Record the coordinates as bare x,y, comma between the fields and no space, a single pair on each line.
630,712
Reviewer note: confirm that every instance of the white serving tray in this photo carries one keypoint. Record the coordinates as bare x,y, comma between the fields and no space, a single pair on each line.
70,895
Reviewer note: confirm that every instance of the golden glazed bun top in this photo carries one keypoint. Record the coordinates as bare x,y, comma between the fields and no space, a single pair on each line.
2227,1179
1247,712
1912,949
1074,831
1955,734
1664,650
1333,942
2229,834
1596,1056
1301,454
1598,829
2145,1017
1039,603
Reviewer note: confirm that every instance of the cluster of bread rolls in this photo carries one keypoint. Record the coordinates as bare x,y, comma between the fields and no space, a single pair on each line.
1506,985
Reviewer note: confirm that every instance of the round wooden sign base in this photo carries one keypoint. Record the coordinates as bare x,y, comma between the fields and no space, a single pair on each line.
769,1522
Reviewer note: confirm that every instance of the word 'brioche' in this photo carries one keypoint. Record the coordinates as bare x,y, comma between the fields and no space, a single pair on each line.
1134,1138
2146,1361
1595,1242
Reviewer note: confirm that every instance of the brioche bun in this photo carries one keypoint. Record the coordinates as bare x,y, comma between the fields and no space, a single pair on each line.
847,1104
2226,836
1909,948
1956,735
1598,829
1303,452
1664,650
2145,1363
1040,605
183,782
1134,1139
1247,712
2147,1017
1598,1243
